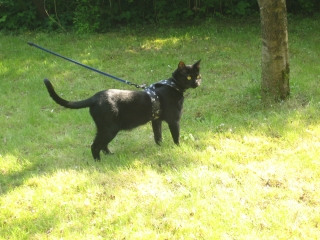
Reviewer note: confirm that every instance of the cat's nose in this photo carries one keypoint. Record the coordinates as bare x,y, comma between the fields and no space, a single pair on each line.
197,82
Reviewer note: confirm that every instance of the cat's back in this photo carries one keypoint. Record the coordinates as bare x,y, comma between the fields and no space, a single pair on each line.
118,95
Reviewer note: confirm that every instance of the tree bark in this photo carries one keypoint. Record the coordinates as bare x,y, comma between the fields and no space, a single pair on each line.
39,4
275,53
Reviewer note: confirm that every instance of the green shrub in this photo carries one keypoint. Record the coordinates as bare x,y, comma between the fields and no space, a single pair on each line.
85,16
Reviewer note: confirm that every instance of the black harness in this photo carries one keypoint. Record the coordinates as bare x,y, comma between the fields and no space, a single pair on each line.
151,90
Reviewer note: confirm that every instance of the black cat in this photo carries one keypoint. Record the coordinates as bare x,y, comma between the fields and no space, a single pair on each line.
114,110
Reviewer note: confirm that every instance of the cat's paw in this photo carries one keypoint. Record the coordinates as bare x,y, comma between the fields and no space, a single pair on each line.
107,152
158,142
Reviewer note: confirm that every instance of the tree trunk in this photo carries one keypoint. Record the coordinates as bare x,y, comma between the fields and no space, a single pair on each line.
275,54
39,4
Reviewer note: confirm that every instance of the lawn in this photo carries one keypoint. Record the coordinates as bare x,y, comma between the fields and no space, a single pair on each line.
243,170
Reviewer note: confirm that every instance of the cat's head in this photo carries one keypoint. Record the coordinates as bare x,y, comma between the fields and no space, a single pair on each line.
187,76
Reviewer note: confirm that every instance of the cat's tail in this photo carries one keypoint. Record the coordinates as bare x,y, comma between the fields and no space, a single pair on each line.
67,104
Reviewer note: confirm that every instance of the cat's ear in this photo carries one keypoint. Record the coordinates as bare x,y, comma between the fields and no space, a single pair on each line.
181,65
197,64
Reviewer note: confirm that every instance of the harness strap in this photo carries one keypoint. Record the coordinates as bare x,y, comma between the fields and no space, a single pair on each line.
171,83
155,103
151,90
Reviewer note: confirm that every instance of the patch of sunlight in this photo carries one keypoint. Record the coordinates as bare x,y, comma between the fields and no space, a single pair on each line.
240,148
227,49
131,51
49,64
85,54
313,130
10,163
157,44
137,163
154,186
3,69
90,61
42,194
62,182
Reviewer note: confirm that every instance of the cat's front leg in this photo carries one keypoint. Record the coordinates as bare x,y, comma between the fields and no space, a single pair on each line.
157,131
175,131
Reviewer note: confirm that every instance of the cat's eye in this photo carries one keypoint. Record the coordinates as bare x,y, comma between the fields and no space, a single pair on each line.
189,78
199,76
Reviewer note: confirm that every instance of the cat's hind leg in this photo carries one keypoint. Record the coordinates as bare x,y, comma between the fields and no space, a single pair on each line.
103,138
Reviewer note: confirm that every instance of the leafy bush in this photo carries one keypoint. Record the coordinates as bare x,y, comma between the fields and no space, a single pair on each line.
16,15
99,15
87,16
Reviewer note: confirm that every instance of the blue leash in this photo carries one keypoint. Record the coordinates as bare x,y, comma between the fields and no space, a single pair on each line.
90,68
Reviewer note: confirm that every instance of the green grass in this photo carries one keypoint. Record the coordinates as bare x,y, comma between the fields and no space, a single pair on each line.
243,170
